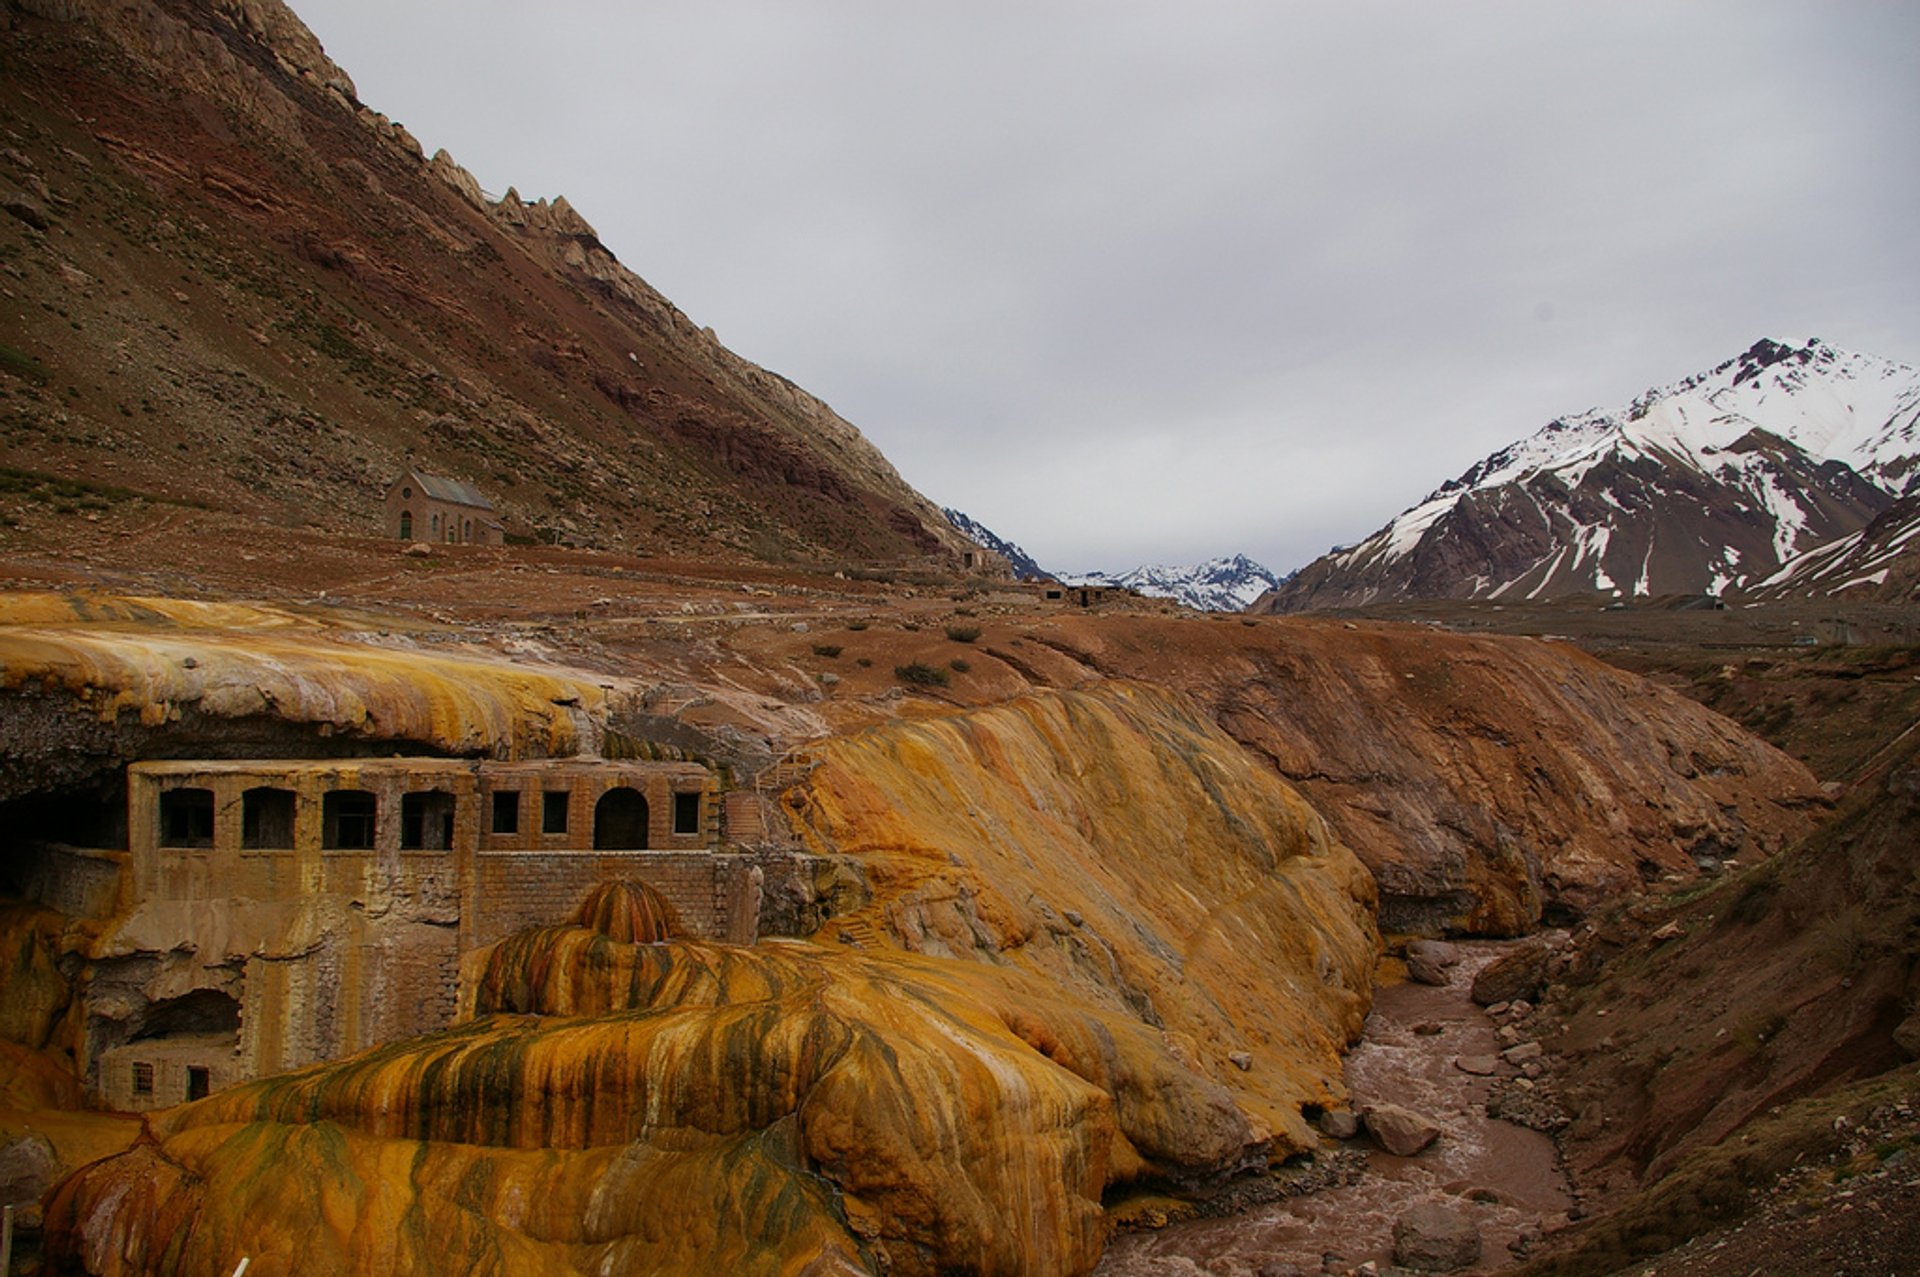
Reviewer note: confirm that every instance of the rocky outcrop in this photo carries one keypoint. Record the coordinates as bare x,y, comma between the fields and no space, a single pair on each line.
1487,783
1513,975
1708,1063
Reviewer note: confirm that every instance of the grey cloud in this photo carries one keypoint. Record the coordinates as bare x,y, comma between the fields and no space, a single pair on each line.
1139,281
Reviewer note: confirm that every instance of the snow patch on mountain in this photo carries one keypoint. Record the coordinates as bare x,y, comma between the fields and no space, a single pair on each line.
1761,459
981,535
1228,584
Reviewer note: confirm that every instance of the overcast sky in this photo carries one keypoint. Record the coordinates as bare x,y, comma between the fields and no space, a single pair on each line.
1137,282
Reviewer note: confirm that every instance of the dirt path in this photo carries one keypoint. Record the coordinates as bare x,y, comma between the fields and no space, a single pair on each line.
1504,1176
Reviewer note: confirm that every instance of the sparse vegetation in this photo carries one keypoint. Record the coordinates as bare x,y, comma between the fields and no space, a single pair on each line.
828,650
958,665
22,365
856,626
921,674
963,633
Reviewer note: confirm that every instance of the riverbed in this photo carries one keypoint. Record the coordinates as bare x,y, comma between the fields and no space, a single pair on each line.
1505,1177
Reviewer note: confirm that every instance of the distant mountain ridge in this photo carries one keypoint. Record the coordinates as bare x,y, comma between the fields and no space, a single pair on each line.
1709,484
1229,584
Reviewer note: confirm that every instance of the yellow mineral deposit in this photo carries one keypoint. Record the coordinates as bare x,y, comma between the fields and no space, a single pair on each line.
155,659
1114,949
1118,844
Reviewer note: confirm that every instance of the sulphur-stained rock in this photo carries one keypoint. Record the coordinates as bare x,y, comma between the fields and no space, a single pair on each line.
142,664
1512,976
675,1108
1433,1238
1196,873
1400,1131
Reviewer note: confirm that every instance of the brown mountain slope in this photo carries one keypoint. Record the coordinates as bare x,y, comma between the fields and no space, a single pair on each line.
1766,1029
229,283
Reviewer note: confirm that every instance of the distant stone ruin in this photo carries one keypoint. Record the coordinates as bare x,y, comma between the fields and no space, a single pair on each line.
266,915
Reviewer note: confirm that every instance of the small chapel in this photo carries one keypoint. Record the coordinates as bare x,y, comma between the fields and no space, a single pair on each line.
441,511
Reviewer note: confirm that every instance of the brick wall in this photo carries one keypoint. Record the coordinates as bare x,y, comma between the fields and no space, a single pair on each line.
513,890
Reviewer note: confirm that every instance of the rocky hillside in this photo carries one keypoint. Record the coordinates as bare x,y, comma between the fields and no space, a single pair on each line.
231,284
1710,484
1743,1059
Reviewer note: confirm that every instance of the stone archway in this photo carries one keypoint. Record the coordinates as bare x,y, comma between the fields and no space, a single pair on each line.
620,820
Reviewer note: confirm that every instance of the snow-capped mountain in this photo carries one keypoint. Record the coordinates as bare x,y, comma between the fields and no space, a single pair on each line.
1709,484
981,535
1878,561
1218,585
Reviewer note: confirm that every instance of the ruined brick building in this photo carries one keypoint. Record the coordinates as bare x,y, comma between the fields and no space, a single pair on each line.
265,915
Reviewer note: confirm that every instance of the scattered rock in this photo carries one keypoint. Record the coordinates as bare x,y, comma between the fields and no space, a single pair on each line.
26,208
1436,1239
1527,1104
1478,1065
1907,1036
28,1167
1423,970
1399,1131
1429,1029
1438,952
419,550
1672,931
1517,975
1522,1053
1340,1124
1241,1060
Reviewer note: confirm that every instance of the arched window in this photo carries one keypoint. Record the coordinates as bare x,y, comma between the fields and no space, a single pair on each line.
466,530
266,819
436,525
406,525
620,820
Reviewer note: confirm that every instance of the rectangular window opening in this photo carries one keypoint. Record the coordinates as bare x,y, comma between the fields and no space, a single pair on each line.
142,1078
426,821
186,818
266,819
348,818
686,813
199,1082
553,811
506,811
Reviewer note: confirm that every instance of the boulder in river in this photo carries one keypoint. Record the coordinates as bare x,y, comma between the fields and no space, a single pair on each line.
1400,1131
1436,1239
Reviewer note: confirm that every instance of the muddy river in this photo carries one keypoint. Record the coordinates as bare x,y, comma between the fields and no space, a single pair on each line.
1504,1176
